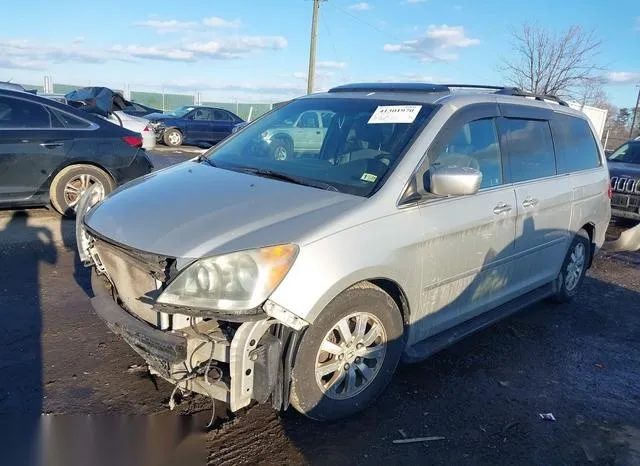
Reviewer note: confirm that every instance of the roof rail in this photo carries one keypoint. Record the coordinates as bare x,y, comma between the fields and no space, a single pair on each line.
444,88
473,86
390,87
541,97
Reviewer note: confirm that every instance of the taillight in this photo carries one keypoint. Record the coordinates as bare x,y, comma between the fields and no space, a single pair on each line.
135,141
148,128
610,191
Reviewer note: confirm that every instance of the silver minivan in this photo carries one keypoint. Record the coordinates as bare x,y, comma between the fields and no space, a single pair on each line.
423,213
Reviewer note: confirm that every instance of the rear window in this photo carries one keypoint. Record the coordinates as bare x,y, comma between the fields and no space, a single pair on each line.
530,148
576,148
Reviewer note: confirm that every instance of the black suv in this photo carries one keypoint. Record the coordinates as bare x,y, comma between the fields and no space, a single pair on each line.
624,167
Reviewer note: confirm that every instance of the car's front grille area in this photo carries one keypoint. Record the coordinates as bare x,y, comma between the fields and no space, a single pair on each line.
137,276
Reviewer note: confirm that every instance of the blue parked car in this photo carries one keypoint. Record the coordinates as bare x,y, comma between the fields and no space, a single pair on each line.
193,125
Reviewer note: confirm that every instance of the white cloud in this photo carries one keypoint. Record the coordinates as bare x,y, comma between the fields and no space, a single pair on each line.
438,43
236,46
24,54
217,22
154,52
22,64
624,77
331,65
78,40
360,6
21,53
168,25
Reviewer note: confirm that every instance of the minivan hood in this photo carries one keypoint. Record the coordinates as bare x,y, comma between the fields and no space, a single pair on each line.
193,210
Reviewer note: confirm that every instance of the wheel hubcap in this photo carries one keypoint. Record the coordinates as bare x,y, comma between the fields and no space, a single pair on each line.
575,267
350,356
76,187
174,138
280,153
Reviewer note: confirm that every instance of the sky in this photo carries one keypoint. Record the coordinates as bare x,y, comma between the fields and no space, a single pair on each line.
257,51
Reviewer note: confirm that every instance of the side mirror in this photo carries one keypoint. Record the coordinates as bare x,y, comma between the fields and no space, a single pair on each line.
454,181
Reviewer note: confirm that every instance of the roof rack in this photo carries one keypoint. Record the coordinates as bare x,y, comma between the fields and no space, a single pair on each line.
443,88
520,93
390,87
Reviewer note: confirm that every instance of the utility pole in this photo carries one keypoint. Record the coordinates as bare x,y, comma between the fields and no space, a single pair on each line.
635,114
312,48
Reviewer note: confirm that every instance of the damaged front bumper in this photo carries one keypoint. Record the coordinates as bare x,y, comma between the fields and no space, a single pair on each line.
234,363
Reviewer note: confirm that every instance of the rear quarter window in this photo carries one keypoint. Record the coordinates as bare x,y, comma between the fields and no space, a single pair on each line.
576,148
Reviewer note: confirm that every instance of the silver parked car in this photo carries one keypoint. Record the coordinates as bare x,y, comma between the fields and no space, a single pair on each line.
427,212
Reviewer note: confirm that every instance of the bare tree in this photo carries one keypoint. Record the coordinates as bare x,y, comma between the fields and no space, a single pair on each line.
562,64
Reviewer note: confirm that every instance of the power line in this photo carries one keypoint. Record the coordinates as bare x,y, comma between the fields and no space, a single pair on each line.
333,45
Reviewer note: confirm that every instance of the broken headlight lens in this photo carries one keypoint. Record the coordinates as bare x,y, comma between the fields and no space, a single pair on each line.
233,282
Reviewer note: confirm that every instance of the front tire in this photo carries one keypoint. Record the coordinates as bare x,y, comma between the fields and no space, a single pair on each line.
348,355
172,137
574,267
282,149
70,184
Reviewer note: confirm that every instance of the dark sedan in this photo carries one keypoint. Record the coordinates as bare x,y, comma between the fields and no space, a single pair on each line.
193,125
51,153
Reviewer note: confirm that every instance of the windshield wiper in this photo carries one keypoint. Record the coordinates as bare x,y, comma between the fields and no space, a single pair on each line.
203,158
291,179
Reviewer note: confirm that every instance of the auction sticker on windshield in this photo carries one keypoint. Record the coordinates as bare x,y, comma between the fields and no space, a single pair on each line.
395,114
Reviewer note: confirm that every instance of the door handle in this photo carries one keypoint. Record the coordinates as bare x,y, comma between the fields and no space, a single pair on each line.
529,202
50,145
501,208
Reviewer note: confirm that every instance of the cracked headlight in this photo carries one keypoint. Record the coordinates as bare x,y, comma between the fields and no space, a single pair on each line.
233,282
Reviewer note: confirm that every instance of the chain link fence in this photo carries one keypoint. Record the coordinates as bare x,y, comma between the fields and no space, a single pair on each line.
163,100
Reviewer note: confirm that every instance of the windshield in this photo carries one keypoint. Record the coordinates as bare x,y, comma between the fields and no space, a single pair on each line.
343,144
179,112
627,153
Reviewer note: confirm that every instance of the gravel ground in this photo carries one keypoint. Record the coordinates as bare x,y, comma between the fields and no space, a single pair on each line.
579,361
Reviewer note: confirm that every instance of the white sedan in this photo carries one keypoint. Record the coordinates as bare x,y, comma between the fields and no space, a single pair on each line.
135,124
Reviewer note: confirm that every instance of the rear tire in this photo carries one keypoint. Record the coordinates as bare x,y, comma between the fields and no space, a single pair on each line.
348,355
172,137
69,185
574,267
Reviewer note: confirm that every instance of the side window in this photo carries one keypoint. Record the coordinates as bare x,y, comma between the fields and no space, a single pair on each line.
202,114
475,145
530,149
576,148
308,120
221,115
19,113
70,121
